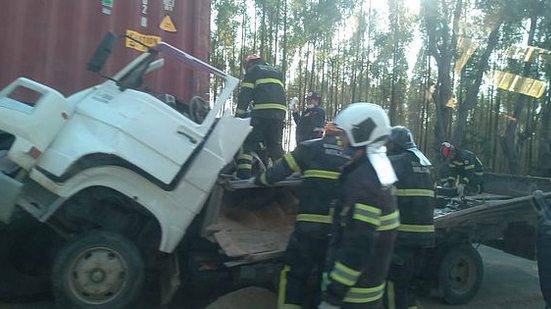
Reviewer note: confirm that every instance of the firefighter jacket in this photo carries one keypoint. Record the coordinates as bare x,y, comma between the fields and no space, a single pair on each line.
310,124
319,161
415,192
263,86
464,168
361,249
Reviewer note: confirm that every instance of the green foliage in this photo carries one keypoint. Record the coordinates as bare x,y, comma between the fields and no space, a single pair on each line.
351,50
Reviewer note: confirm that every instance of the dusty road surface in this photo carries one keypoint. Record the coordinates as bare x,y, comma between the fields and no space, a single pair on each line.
509,283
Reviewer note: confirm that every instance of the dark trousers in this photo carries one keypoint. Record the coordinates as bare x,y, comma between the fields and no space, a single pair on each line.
400,288
543,247
265,140
300,278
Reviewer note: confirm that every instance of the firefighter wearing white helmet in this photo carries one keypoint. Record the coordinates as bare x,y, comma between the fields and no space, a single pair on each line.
367,217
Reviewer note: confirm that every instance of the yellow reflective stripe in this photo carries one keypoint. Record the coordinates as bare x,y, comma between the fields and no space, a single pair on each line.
315,218
245,157
288,157
270,106
240,111
416,192
367,214
416,228
390,221
268,81
247,85
344,274
390,295
466,180
456,163
244,166
263,179
479,173
364,295
282,285
469,167
321,174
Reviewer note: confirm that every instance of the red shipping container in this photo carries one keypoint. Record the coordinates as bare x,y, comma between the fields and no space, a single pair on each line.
51,41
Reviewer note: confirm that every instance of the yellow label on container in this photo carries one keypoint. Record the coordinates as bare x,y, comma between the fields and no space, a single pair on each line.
148,40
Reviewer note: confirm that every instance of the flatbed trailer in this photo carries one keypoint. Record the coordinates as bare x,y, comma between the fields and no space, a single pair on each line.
242,219
503,217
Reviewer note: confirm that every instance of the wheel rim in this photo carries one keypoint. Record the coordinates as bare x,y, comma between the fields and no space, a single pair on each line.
97,275
462,274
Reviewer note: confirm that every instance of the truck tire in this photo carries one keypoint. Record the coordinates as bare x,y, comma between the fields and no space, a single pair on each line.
460,274
100,269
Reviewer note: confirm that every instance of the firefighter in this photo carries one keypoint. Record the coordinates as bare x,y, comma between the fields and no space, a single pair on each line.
463,170
319,161
262,87
366,217
415,191
543,246
311,122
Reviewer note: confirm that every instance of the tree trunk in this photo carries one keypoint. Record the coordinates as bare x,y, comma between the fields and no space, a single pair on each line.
442,45
509,142
472,91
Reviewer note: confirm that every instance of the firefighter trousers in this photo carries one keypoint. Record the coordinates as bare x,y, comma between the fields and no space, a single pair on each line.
265,139
407,261
299,281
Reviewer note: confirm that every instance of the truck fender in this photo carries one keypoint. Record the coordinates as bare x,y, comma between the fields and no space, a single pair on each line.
173,217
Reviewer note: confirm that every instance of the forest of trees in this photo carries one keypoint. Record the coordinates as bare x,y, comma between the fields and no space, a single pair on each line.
358,51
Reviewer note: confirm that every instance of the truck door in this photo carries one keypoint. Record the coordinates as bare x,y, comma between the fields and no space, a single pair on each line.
33,113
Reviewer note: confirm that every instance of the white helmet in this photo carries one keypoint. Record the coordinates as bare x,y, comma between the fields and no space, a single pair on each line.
364,124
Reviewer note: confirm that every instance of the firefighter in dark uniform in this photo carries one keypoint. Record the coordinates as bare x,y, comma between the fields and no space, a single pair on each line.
366,216
415,191
319,161
463,170
263,87
311,122
543,245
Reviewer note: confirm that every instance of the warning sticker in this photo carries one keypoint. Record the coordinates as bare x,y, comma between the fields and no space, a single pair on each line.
148,40
167,24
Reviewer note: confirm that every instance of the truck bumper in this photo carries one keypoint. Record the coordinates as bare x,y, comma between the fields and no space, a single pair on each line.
9,191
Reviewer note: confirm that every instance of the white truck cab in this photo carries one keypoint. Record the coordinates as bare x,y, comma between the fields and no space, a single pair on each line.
114,166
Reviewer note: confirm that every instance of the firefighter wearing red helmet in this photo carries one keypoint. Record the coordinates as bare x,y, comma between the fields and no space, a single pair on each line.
463,169
262,92
319,162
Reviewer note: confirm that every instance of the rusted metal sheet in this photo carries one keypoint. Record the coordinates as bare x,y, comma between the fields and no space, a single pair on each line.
50,41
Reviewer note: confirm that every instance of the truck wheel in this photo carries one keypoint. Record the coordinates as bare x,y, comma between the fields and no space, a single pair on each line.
98,270
460,274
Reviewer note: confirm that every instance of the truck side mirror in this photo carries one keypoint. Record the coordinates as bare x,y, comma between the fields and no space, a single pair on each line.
102,52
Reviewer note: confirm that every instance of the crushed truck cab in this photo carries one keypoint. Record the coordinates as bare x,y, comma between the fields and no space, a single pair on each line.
119,162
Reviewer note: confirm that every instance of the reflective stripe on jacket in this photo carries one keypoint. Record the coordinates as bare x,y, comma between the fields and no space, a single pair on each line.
263,86
415,191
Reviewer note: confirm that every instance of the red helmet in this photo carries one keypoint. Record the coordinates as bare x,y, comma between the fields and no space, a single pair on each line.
250,58
446,149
